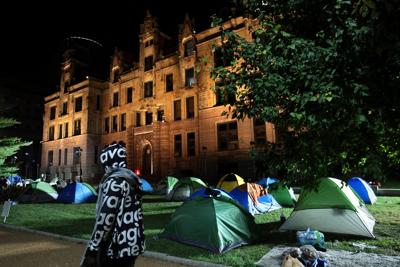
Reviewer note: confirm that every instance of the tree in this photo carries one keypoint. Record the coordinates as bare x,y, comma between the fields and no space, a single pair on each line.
329,73
8,147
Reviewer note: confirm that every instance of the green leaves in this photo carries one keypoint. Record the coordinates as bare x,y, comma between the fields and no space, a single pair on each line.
327,74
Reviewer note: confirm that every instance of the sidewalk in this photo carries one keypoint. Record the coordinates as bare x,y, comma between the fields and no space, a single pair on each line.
20,247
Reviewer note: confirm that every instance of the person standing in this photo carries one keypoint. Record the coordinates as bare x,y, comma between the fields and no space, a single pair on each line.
118,234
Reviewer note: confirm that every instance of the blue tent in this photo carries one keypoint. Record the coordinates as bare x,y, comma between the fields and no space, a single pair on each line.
363,189
14,179
208,192
77,193
145,186
264,203
267,181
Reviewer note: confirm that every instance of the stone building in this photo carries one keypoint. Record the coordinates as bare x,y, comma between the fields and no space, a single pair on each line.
163,107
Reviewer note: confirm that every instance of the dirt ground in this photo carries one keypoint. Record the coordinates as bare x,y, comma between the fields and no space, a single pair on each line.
24,249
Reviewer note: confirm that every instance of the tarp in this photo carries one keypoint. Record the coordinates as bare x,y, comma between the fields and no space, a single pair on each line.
333,208
218,224
77,193
230,181
363,190
38,192
253,199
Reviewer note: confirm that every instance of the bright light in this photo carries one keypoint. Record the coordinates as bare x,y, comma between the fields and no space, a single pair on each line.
137,172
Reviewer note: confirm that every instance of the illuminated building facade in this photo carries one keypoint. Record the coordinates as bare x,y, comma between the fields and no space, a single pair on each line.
163,107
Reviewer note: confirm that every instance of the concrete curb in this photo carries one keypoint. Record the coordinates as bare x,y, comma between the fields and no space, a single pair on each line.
148,254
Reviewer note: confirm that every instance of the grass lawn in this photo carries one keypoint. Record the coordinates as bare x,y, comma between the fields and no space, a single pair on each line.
77,221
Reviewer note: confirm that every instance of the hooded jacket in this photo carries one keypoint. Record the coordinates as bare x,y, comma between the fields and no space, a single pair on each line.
119,216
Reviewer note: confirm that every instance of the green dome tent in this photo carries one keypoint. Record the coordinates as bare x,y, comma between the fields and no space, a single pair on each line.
215,223
182,189
283,194
332,208
165,186
38,192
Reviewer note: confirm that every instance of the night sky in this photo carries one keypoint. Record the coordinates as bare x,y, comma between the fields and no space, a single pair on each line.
33,34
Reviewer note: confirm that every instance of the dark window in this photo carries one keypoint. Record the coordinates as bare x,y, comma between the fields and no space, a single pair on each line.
223,96
189,47
114,124
52,113
227,136
78,104
189,77
50,158
116,76
222,57
148,43
160,115
190,107
178,146
51,133
96,154
98,102
59,157
77,155
129,95
148,89
149,118
177,110
169,83
115,99
66,130
106,125
148,63
77,127
123,122
65,156
259,132
66,86
60,131
138,120
191,144
64,110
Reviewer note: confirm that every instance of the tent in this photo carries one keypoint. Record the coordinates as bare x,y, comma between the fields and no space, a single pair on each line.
250,197
15,179
165,186
38,192
207,192
145,186
77,193
216,223
184,188
267,181
363,190
333,208
230,181
283,194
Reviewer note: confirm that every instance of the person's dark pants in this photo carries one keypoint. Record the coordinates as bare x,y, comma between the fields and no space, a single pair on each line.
124,262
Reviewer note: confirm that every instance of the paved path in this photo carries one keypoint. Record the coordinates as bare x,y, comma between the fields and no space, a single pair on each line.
28,249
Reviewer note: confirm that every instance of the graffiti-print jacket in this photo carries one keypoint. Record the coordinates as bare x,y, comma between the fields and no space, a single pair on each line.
119,216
